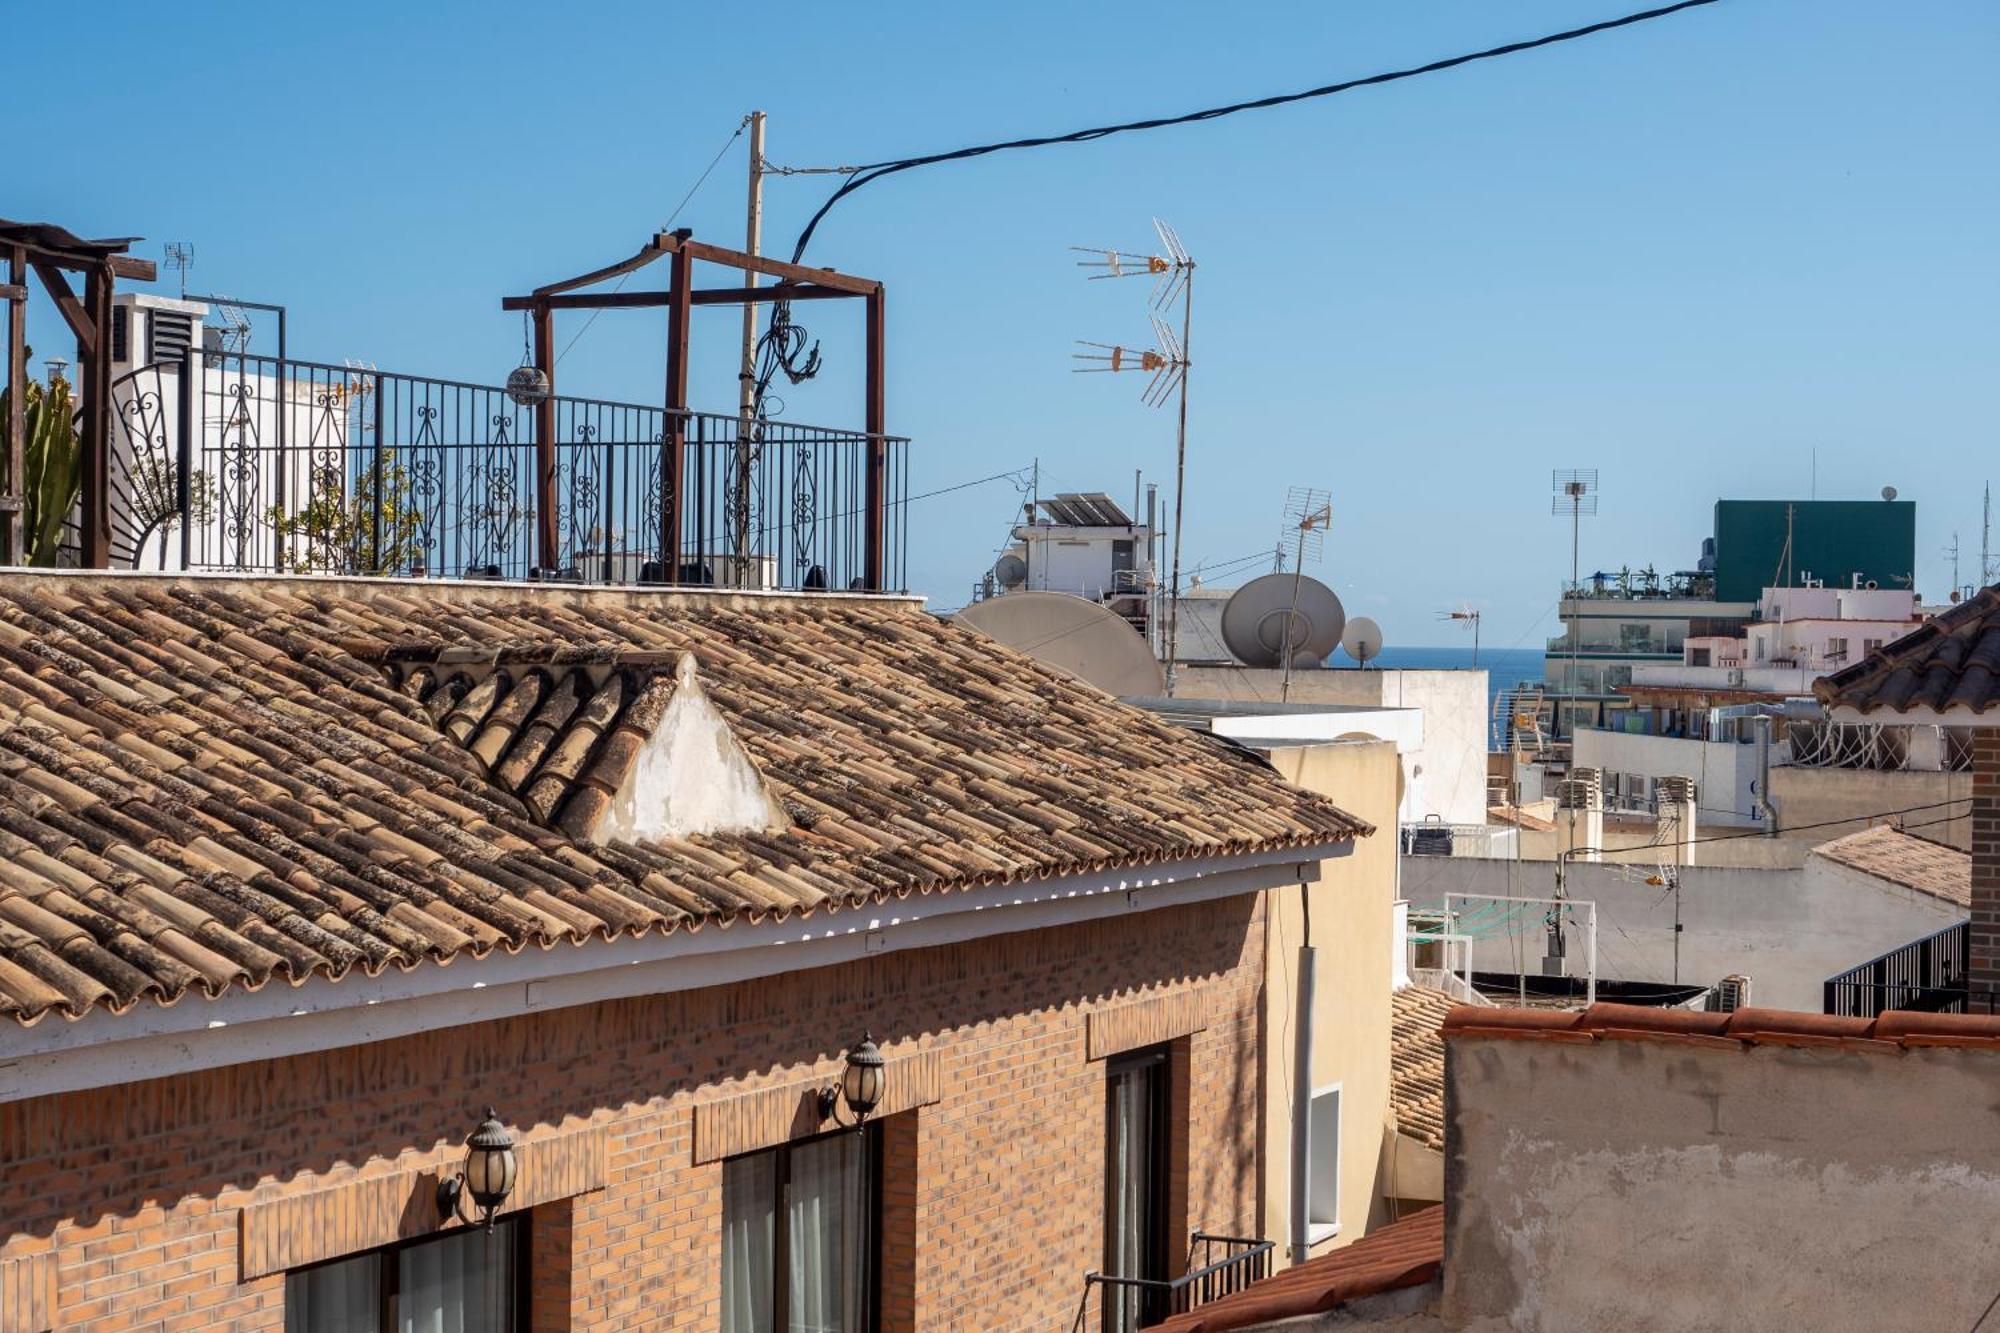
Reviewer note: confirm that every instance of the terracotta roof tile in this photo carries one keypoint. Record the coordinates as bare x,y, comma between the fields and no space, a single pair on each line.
1949,664
208,783
1744,1027
1408,1253
1886,852
1416,1062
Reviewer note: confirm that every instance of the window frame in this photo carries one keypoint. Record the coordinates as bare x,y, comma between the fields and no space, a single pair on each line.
389,1273
1316,1230
781,1229
1159,1165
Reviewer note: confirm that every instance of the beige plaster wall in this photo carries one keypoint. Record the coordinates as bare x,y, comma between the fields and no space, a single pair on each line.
1673,1185
1352,910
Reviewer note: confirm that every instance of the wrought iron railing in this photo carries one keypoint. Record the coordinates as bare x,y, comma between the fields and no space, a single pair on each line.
1927,974
300,467
1216,1267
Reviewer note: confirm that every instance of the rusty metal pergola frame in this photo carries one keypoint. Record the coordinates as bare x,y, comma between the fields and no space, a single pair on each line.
52,253
795,282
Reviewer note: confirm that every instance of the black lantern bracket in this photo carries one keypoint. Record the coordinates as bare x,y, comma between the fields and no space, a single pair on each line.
487,1176
860,1085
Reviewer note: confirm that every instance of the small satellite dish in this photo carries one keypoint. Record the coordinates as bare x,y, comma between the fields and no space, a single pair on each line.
1362,640
1010,571
1888,492
1255,620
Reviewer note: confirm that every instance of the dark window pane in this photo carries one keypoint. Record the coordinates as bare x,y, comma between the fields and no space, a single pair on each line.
335,1298
749,1215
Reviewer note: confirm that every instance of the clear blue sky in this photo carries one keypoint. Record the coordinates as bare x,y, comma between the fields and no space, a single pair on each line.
1689,253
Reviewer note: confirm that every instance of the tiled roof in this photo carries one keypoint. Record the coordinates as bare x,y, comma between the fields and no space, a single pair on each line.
1903,858
1750,1027
1416,1062
1948,664
208,783
1408,1253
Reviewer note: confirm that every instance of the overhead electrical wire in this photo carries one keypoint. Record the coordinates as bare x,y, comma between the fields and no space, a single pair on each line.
875,171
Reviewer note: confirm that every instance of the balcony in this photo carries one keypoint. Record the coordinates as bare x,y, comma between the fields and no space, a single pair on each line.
1217,1266
1926,975
225,461
1559,645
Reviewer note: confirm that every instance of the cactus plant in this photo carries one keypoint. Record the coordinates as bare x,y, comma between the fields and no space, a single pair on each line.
52,467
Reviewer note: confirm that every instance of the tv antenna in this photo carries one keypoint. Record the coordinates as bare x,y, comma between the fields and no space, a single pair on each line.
1172,272
180,255
1308,514
1468,616
1575,497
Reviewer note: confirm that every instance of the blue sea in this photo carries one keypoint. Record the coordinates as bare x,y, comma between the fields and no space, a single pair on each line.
1505,667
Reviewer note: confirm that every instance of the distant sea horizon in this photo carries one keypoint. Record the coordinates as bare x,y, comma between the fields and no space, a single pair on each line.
1505,667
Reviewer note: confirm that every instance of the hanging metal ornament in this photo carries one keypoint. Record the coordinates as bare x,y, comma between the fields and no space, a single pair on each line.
528,383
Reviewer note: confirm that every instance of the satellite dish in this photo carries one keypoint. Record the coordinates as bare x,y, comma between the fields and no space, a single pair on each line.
1081,638
1255,620
1010,571
1362,640
1888,492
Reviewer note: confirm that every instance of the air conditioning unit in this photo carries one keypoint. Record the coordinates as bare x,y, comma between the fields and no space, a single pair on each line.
1730,994
147,330
1736,675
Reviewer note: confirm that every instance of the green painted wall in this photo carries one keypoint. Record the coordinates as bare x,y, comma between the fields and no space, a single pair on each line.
1834,541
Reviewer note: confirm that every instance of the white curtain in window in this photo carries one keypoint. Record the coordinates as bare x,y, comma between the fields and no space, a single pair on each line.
827,1220
335,1298
749,1214
1131,1152
462,1283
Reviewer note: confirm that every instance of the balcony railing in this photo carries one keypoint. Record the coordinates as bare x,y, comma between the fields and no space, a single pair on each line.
227,461
1927,975
1217,1266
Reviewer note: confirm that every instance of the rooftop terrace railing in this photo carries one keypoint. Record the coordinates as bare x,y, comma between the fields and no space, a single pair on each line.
1928,975
226,461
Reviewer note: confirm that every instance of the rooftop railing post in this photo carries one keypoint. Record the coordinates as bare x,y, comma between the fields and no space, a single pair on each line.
547,539
184,451
874,565
97,420
13,537
673,436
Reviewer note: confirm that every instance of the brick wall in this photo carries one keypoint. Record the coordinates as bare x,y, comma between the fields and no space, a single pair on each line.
1984,965
141,1191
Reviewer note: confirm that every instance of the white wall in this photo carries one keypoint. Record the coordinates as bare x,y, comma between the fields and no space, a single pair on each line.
1785,929
1724,773
1447,778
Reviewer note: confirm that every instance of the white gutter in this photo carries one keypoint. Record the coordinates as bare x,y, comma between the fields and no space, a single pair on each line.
154,1041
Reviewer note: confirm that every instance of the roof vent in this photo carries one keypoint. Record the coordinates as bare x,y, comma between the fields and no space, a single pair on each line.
692,776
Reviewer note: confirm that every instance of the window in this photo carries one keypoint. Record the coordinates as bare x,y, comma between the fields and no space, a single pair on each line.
1323,1170
465,1281
1698,657
800,1229
1836,650
1870,645
1136,1132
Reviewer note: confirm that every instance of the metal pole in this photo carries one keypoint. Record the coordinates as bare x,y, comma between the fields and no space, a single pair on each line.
191,369
97,420
746,373
13,490
674,439
1302,1069
1180,480
547,536
875,571
1291,615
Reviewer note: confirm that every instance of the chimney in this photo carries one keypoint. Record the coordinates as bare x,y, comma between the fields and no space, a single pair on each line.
1677,812
1983,965
1580,813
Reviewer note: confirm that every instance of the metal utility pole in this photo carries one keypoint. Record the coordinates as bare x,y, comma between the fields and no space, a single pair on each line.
746,374
1986,538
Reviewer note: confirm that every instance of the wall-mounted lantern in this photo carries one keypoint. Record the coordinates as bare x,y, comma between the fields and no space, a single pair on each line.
488,1174
860,1084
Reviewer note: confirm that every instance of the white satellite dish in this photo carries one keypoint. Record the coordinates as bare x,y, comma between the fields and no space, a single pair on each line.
1261,612
1082,638
1362,640
1010,571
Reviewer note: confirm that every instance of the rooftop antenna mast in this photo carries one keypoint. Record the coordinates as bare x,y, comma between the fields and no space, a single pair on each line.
1469,616
180,255
1308,514
1986,539
1173,280
1575,497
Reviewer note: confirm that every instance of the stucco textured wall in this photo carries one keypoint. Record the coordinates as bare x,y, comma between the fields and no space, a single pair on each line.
1682,1185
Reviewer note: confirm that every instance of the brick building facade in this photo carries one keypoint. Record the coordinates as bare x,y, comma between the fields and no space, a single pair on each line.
152,1196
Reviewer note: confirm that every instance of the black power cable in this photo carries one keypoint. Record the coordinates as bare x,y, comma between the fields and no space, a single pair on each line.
875,171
